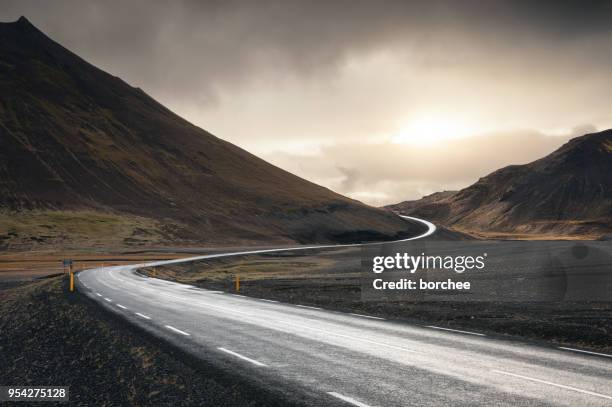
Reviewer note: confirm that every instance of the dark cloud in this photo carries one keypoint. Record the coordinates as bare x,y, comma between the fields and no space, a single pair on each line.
196,49
320,87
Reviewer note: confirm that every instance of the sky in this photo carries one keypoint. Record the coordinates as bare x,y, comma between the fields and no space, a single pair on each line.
382,101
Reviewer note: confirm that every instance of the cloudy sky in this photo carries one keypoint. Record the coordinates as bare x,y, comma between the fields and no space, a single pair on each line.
382,101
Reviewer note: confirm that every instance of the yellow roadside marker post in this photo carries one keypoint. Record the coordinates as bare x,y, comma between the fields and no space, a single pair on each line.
237,283
67,263
71,279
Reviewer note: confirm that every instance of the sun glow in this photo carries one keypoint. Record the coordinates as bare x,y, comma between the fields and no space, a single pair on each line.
432,130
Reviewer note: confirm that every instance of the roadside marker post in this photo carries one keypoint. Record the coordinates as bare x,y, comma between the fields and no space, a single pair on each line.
71,278
237,283
68,263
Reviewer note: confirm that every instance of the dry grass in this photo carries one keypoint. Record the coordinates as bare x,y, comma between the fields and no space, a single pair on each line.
30,230
28,265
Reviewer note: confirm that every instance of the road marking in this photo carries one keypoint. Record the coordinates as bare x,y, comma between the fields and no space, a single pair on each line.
142,315
238,355
263,299
366,316
553,384
108,299
586,351
454,330
238,295
288,323
306,306
121,306
347,399
99,295
177,330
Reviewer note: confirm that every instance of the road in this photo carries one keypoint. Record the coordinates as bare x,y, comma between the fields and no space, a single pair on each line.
347,359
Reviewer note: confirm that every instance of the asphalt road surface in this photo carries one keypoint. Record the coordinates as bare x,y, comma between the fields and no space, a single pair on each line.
347,359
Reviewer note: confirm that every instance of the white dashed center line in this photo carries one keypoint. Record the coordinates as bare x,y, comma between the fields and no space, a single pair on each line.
108,299
178,331
238,355
142,315
121,306
347,399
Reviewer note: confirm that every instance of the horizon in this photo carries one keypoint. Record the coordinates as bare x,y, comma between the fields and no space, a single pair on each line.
299,102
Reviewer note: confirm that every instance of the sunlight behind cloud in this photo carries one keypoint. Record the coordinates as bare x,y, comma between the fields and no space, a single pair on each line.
430,129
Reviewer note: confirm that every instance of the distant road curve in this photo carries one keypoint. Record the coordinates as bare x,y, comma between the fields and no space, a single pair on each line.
431,229
335,358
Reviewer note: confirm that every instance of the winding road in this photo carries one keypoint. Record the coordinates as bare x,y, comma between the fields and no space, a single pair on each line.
334,358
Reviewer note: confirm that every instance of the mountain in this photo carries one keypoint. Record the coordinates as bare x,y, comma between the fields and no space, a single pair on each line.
86,158
565,194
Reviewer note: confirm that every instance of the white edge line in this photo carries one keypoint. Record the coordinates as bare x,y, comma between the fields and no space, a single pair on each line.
177,330
108,299
306,306
454,330
264,299
238,355
347,399
142,315
586,351
366,316
562,386
121,306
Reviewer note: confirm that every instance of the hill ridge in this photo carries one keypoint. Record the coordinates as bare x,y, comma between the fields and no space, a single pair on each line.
74,138
567,193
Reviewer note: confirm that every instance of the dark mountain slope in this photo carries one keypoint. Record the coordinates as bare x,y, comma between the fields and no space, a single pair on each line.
566,193
74,138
